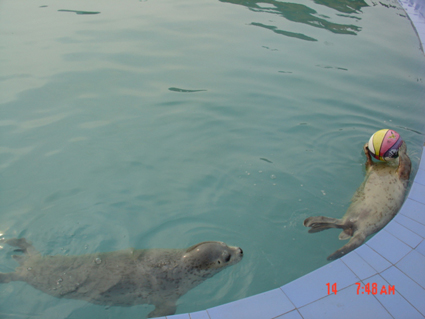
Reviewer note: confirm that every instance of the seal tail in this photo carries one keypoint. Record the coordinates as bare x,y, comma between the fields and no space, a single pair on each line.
320,223
354,242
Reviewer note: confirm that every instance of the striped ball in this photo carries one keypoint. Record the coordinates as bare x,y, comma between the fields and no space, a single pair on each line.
384,144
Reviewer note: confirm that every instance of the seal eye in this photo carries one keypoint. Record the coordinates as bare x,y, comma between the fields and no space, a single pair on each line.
227,259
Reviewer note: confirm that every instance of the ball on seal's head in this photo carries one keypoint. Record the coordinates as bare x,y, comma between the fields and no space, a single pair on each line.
384,145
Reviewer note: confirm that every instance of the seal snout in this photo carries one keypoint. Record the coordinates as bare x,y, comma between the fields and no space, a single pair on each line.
237,251
238,254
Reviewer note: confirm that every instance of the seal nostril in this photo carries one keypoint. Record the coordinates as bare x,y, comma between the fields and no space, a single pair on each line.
241,251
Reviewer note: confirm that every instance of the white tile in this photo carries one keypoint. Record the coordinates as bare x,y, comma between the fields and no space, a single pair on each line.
413,265
181,316
414,210
420,175
395,304
358,265
417,193
421,248
378,262
388,246
345,304
411,224
199,315
291,315
263,306
405,235
313,286
408,288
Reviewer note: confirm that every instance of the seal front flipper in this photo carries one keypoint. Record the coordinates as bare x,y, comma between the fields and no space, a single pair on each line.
405,164
23,245
354,242
165,309
369,162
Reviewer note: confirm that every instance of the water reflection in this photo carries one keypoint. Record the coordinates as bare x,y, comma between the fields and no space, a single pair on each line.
345,6
79,11
303,14
184,90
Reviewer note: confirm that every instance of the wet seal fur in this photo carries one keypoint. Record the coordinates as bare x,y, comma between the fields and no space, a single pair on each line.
123,278
373,205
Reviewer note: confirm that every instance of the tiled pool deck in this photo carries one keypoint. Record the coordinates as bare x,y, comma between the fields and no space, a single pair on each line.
394,257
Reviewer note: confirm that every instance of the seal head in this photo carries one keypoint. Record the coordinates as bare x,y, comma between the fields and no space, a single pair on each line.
211,257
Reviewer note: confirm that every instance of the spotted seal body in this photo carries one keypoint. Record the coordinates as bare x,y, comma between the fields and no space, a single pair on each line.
124,278
373,205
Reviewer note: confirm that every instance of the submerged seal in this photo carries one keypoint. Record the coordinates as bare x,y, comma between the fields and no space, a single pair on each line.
373,205
126,277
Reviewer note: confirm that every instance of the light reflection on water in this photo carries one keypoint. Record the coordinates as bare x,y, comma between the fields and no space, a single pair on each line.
162,124
300,13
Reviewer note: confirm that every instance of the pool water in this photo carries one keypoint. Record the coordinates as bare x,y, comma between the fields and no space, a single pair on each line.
160,124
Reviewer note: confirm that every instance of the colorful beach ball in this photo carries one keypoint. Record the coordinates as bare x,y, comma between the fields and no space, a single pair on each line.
384,145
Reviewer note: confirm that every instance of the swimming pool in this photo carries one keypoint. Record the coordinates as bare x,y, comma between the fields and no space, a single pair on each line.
163,124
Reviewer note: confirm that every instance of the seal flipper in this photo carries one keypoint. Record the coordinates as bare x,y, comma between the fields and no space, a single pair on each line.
345,234
320,223
369,162
23,245
405,164
165,309
354,242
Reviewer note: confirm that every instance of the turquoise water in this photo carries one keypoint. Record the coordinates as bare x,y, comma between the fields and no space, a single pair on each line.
166,123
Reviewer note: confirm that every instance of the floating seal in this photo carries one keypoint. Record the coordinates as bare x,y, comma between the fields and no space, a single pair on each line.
126,277
373,205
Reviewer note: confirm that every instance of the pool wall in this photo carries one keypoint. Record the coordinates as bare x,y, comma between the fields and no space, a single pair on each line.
392,262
